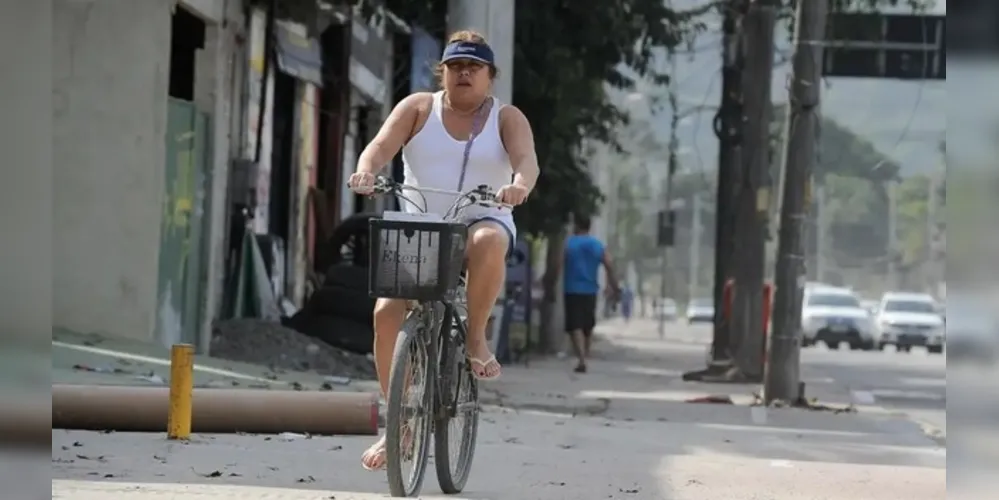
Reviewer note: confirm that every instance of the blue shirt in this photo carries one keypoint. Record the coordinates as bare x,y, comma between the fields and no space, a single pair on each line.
583,256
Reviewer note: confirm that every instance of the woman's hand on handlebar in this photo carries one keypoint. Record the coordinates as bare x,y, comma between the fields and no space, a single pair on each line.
362,183
512,194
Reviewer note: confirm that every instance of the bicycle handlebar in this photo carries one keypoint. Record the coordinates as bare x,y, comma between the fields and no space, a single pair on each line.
482,195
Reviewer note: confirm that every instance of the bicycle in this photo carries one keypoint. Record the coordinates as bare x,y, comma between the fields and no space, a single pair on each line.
434,329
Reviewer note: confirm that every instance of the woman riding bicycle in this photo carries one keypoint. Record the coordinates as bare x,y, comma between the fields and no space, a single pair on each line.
460,136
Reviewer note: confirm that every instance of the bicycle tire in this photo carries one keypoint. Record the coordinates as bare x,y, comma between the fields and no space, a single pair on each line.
409,338
455,371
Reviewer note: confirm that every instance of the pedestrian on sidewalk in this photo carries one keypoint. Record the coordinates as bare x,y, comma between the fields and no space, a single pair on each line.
627,300
581,260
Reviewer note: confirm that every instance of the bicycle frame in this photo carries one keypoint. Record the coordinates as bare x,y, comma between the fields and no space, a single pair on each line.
444,335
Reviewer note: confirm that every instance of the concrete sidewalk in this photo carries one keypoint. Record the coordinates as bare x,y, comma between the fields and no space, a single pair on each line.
621,431
85,359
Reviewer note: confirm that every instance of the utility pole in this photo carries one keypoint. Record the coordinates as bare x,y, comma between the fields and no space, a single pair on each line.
781,381
821,226
929,263
728,130
694,260
673,150
495,20
667,228
752,200
892,235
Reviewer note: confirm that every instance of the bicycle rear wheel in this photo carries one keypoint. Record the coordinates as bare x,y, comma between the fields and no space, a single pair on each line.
457,421
409,421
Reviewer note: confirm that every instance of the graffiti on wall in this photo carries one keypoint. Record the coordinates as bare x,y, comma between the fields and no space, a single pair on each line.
178,313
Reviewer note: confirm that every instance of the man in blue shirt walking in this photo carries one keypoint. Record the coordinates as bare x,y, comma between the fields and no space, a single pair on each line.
582,258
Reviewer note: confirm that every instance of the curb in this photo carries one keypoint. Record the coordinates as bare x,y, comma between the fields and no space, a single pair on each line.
868,400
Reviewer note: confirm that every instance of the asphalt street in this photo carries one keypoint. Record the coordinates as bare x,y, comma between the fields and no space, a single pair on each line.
630,428
914,384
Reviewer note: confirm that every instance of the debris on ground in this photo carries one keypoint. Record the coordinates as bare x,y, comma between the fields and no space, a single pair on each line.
722,400
257,341
811,404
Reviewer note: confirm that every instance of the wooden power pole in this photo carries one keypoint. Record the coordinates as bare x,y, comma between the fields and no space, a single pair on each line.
752,203
801,133
728,129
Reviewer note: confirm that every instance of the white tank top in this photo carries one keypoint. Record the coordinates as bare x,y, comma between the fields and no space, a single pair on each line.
433,158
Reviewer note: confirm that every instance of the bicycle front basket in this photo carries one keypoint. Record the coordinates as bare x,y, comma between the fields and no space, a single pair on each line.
416,260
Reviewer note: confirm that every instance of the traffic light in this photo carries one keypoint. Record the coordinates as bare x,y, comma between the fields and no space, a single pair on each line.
665,228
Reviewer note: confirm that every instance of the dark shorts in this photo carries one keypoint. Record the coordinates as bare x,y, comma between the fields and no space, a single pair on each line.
580,312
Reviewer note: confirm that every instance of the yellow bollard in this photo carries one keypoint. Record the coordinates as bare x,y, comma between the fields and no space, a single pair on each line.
181,391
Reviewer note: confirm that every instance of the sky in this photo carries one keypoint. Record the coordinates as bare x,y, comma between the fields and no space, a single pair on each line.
904,120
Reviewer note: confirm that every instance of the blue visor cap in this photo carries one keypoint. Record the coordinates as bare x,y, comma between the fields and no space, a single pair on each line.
468,50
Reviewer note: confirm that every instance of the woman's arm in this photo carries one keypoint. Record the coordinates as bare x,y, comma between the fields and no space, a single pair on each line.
518,139
397,129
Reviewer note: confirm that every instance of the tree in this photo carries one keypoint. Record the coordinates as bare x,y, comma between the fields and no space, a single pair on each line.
566,52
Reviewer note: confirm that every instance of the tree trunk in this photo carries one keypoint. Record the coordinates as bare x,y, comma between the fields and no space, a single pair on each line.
550,323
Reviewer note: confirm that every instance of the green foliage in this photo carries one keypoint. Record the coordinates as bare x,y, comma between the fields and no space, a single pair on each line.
565,53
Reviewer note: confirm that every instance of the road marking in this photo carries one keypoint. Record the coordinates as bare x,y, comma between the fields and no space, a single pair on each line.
897,394
871,397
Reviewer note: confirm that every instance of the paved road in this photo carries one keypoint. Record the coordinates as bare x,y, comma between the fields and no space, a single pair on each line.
914,384
645,444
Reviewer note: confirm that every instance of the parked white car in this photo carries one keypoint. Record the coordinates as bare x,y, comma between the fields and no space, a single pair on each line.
700,311
910,319
835,316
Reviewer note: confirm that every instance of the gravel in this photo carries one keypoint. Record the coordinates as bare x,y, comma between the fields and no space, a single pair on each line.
268,343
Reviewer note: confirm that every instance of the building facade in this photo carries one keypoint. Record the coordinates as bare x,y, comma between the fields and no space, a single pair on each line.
144,97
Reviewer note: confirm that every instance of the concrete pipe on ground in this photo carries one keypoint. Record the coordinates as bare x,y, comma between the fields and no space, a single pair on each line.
145,409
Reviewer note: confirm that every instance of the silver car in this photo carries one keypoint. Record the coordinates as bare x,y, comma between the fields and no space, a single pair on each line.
700,311
906,320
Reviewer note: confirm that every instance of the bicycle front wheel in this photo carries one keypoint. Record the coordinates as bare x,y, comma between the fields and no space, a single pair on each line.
409,419
457,424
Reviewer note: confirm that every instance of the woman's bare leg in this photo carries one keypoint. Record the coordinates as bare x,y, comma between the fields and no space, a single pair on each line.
488,243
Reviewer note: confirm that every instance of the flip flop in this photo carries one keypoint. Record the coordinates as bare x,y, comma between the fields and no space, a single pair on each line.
383,449
372,451
484,364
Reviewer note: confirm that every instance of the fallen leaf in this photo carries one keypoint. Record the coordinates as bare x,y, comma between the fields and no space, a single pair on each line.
306,479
